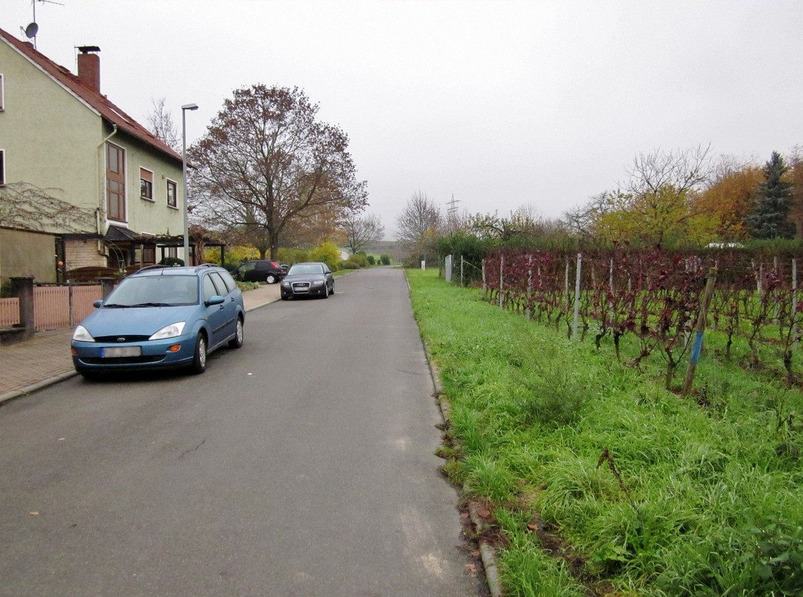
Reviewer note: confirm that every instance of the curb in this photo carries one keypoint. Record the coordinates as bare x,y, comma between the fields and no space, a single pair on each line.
487,552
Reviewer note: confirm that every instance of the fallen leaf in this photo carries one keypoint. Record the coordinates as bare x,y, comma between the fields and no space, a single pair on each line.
484,513
33,513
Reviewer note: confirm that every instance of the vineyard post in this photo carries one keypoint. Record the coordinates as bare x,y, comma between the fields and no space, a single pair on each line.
529,286
566,286
484,284
794,298
501,278
461,271
577,296
699,329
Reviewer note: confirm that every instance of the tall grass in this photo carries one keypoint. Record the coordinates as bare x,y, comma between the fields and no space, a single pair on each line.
645,492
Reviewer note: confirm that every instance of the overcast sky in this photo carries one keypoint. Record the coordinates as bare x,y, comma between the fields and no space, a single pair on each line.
499,103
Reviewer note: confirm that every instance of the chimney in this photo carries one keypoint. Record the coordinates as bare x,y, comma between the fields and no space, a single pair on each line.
89,67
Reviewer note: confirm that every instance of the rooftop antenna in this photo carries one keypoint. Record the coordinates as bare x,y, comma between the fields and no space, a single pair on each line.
33,28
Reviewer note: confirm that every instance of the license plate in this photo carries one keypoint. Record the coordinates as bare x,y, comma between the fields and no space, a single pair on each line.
121,351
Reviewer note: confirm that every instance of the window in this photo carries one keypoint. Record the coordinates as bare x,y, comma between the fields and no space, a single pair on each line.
2,94
115,182
171,194
146,184
2,167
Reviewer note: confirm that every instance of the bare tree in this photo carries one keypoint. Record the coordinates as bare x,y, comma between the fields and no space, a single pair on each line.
24,206
266,161
683,170
362,231
419,225
162,126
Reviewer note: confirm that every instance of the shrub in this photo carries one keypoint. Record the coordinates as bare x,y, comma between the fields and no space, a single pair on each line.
350,265
384,259
328,253
371,260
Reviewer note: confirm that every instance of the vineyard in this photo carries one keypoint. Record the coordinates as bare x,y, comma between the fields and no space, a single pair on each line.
653,298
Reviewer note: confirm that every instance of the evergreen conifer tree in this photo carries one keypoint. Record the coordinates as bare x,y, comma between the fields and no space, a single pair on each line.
769,218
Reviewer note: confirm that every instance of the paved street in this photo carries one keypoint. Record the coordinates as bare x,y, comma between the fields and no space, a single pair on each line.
302,464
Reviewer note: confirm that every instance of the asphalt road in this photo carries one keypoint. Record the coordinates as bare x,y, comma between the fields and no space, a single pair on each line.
301,464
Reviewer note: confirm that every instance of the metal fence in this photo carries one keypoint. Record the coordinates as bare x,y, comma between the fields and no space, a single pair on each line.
54,306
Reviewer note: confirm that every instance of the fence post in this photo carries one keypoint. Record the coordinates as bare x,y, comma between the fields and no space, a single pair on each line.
577,295
501,278
700,328
106,286
794,299
529,286
22,288
566,285
461,270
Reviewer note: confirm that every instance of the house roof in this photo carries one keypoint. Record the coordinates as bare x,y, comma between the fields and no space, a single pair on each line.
100,103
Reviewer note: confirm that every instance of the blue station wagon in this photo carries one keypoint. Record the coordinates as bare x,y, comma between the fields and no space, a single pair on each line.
161,317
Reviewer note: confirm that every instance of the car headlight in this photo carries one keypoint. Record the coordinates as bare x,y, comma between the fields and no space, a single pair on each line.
317,283
169,331
82,335
285,284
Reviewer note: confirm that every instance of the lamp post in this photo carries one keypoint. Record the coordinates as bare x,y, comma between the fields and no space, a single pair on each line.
184,109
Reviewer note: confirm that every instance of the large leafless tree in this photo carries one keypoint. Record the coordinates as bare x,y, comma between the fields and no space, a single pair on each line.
361,231
266,161
161,124
419,225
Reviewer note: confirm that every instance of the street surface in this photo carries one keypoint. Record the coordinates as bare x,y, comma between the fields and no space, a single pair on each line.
301,464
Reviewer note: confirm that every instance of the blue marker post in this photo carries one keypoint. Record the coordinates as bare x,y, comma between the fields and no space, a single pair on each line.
699,329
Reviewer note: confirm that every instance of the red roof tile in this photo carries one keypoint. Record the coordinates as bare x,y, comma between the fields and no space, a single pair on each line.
108,110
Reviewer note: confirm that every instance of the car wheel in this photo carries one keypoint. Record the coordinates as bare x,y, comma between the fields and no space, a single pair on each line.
325,291
237,341
199,358
271,279
332,291
285,297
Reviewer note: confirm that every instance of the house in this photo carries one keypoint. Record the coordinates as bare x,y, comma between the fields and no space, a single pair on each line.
82,184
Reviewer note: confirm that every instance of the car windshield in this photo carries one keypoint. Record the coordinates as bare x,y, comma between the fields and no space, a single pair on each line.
154,291
305,269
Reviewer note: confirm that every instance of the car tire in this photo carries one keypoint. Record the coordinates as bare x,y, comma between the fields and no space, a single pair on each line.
271,279
199,356
285,297
237,341
325,292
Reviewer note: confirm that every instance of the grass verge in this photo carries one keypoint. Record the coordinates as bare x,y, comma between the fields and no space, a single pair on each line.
601,482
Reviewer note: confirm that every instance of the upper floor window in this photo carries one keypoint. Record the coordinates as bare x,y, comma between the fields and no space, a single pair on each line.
146,184
115,182
172,201
2,167
2,94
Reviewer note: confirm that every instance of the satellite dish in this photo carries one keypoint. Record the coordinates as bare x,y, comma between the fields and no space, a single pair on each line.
31,30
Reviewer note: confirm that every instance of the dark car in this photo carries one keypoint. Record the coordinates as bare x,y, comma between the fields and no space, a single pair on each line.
161,317
308,279
259,270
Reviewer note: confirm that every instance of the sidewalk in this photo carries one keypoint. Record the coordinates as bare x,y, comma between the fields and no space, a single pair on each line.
45,359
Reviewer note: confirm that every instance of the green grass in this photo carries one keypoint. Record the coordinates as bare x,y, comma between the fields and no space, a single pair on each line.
648,492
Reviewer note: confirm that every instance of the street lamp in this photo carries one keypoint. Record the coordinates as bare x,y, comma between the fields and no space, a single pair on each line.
184,109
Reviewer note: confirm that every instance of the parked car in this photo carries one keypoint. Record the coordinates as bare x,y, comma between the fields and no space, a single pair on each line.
259,270
161,317
308,279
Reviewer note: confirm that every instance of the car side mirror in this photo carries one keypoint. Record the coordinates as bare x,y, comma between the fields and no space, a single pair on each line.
97,304
215,300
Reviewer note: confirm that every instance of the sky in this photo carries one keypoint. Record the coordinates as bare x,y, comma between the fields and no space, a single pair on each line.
497,104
